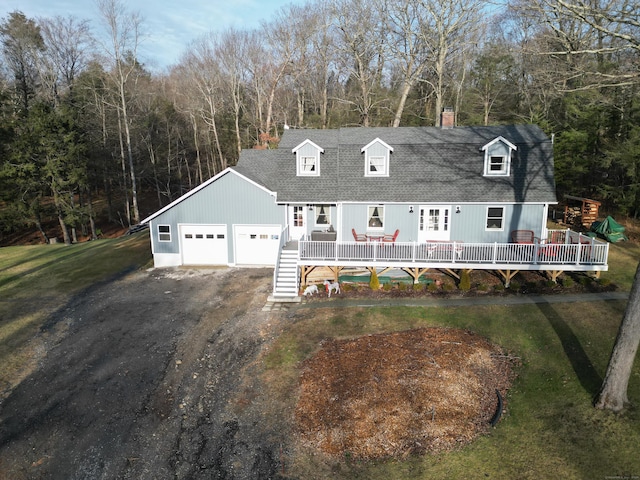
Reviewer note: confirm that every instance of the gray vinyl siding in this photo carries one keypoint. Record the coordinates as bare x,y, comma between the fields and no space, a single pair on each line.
230,200
395,217
468,226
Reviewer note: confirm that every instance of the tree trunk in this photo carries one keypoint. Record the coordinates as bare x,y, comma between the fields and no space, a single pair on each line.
134,187
64,229
406,88
613,394
92,216
41,230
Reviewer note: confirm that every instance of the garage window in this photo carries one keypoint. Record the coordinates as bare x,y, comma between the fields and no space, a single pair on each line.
164,233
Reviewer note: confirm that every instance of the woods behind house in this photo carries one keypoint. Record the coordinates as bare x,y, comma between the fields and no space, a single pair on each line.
83,116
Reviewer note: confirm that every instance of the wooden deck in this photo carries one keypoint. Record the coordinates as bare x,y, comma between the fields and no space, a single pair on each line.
570,251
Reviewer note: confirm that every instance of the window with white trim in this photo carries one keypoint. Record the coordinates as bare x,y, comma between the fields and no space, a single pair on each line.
497,157
376,158
308,165
495,218
498,165
323,215
377,165
308,159
375,219
164,233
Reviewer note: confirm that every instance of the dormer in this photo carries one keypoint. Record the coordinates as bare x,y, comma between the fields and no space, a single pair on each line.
497,157
308,159
376,158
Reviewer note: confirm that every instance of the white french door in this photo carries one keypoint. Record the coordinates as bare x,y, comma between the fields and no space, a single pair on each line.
434,222
297,221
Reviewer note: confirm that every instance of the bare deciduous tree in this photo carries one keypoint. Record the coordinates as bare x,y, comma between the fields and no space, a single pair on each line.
449,31
123,29
67,41
590,36
361,42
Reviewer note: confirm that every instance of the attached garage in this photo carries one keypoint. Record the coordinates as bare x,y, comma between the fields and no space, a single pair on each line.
228,220
256,244
204,244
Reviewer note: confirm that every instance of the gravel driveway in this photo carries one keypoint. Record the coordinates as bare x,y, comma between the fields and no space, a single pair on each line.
152,377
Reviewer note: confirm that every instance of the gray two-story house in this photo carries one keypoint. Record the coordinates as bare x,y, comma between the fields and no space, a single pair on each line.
411,197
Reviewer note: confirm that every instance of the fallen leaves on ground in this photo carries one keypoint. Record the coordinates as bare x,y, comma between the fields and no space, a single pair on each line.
390,395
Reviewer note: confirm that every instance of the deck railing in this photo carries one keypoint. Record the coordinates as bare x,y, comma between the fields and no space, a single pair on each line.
283,240
574,249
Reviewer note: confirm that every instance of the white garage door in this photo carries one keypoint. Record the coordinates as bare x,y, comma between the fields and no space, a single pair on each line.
204,244
257,244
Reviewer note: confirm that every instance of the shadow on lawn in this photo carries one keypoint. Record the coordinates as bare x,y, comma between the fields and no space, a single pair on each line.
589,378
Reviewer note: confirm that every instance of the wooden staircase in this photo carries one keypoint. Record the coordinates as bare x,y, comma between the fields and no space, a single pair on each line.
286,277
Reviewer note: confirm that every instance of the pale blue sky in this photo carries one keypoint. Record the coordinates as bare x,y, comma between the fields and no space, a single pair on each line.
170,25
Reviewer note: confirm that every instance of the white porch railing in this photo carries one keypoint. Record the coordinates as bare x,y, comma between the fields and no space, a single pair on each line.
571,248
284,235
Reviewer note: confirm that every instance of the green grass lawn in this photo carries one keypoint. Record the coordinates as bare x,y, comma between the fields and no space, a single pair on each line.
37,280
623,259
550,430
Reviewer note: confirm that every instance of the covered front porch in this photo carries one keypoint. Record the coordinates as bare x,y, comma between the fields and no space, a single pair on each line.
569,251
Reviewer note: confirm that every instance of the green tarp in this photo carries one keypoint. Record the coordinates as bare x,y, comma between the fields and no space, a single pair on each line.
609,229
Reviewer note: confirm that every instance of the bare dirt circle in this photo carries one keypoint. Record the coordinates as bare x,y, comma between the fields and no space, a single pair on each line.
391,395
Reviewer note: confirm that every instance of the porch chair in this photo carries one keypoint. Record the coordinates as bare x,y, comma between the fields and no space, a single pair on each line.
391,238
522,236
359,237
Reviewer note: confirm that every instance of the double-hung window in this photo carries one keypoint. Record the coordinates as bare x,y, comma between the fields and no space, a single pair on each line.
323,215
308,165
375,217
376,158
377,165
164,233
498,165
498,156
495,218
308,159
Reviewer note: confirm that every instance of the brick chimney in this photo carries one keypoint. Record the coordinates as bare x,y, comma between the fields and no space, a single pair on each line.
447,119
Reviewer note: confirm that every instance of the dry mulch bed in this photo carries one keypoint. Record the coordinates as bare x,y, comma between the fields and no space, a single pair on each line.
391,395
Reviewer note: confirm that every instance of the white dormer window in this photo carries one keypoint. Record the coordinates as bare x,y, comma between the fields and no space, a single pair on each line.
498,165
308,165
308,159
497,157
376,158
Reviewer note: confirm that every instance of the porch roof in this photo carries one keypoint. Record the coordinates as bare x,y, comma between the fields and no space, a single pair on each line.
428,165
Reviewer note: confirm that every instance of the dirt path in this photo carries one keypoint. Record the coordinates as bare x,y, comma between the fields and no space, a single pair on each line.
148,381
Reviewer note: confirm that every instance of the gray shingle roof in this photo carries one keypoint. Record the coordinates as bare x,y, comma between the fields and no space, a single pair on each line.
428,165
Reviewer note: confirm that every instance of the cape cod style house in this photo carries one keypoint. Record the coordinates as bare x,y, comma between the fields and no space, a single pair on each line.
410,198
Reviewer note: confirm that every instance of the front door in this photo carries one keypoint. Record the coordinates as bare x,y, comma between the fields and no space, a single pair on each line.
434,223
297,221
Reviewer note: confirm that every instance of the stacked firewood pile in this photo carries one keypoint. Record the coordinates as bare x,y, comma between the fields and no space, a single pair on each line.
573,216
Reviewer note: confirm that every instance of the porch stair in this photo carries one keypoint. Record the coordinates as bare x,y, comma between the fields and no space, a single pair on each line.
286,278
